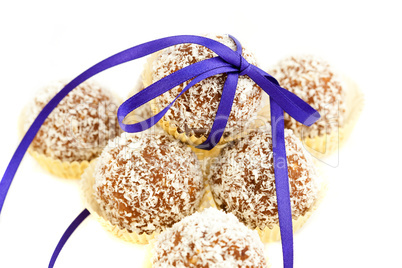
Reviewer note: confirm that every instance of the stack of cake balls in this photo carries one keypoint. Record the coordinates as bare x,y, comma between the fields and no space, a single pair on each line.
209,209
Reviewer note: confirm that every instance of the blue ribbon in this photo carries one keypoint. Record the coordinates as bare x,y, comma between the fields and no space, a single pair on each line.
227,61
70,230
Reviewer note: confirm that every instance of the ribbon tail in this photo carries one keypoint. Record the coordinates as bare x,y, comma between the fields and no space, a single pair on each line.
282,183
70,230
223,112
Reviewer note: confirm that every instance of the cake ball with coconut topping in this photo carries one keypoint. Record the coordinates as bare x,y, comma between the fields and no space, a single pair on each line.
314,81
79,127
242,179
194,112
211,238
146,182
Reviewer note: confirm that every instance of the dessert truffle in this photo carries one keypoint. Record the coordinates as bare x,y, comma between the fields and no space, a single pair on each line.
79,127
145,183
194,112
242,179
211,238
314,81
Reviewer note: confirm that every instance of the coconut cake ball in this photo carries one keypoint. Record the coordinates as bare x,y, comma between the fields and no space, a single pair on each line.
146,182
79,127
314,81
194,112
242,179
211,238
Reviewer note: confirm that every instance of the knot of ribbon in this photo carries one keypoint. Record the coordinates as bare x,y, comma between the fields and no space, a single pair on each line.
244,66
227,61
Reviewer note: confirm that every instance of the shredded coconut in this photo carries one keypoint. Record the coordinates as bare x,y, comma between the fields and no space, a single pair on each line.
194,112
211,238
146,182
242,179
79,127
313,80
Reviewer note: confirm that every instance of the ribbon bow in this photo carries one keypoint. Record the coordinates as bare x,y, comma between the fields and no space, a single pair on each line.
228,61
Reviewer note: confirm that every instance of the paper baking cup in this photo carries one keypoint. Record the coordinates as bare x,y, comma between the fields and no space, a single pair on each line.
204,154
170,127
67,170
149,254
207,200
88,197
325,145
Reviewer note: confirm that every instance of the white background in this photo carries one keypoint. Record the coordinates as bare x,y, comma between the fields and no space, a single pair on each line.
357,225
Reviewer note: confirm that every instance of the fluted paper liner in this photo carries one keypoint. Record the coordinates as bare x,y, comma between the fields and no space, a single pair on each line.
88,197
207,200
149,255
63,169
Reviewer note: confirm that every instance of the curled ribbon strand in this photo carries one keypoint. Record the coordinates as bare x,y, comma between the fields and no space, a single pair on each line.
227,61
70,230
